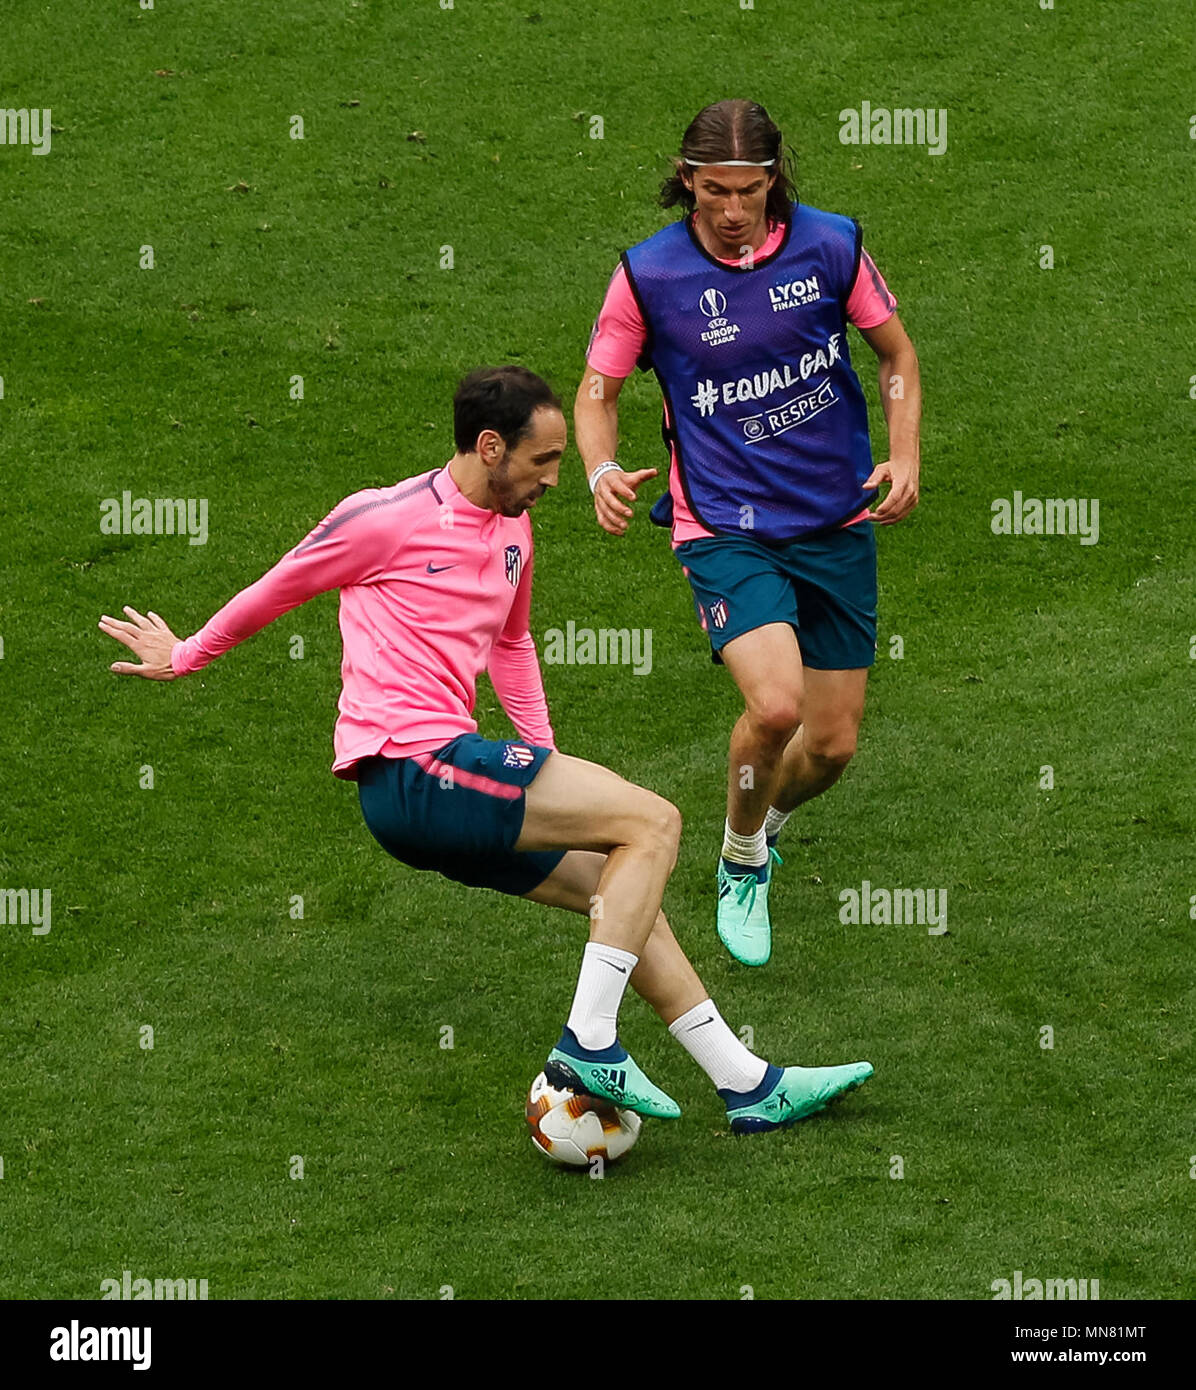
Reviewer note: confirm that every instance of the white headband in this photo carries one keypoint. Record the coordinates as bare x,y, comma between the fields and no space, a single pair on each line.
731,163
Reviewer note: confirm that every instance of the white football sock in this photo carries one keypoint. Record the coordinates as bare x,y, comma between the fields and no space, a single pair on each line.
775,820
605,971
745,849
720,1054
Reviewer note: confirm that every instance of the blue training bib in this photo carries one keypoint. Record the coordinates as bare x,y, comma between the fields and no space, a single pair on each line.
770,425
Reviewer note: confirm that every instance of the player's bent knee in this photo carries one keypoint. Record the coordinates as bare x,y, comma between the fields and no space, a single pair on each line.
775,717
673,826
661,825
835,747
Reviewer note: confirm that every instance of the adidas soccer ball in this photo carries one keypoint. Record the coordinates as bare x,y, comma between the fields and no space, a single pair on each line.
572,1129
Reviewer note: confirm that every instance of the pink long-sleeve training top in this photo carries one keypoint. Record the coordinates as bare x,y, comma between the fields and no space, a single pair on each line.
433,590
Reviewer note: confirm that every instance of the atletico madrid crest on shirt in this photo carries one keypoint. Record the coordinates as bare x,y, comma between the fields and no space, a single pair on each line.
514,564
718,613
517,754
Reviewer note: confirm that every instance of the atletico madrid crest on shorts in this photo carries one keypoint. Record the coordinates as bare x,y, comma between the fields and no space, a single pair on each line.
517,754
514,564
718,613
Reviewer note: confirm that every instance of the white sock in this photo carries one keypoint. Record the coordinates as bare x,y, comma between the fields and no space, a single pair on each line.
605,971
774,821
745,849
720,1054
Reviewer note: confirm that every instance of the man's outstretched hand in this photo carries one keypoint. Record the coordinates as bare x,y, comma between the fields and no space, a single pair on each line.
615,490
147,638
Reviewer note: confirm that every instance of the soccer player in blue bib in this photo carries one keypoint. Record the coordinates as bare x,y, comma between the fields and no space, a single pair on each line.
741,309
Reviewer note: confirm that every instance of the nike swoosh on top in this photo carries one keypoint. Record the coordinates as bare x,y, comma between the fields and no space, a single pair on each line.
436,569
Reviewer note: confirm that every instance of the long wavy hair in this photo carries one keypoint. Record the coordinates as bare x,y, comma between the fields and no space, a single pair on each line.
733,129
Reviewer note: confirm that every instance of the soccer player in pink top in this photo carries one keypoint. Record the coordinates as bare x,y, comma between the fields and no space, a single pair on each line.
741,310
435,576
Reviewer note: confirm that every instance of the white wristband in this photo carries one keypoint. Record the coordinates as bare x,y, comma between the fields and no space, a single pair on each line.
600,470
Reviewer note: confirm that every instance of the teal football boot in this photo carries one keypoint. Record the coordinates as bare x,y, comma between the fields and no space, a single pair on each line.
743,924
789,1094
610,1074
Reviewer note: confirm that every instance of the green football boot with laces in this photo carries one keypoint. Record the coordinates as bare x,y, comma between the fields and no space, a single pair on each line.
743,924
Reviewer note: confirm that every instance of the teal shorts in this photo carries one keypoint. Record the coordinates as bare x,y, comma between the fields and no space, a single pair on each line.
824,586
458,811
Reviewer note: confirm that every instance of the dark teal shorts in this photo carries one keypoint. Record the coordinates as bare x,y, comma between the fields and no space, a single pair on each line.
458,811
824,586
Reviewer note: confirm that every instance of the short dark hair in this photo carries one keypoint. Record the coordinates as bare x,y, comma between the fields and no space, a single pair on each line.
502,399
733,129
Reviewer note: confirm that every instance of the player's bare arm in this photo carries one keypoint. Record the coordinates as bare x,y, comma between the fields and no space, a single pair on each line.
901,395
596,431
148,638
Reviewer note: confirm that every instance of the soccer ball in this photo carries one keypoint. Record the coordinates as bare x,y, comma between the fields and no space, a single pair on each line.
572,1129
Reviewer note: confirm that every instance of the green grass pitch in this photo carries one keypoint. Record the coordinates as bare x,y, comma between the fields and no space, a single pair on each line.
1070,908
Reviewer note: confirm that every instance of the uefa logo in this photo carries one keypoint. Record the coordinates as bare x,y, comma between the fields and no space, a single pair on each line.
712,304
